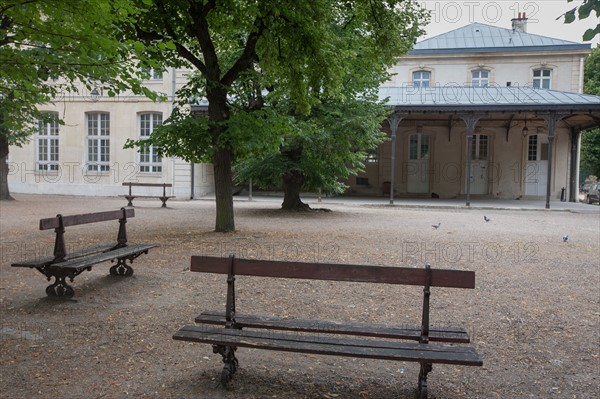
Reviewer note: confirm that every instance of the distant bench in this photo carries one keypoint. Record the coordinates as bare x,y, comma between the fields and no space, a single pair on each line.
164,197
227,330
65,265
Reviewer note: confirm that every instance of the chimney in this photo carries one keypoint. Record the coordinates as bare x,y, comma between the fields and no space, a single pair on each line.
520,24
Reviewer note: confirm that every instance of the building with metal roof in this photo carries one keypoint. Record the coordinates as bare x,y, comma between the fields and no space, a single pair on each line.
478,37
479,111
483,111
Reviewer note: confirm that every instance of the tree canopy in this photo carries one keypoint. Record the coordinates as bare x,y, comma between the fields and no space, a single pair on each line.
582,12
590,140
52,46
264,67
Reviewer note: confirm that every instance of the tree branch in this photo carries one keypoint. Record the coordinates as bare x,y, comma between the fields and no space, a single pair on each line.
244,62
5,23
181,50
199,29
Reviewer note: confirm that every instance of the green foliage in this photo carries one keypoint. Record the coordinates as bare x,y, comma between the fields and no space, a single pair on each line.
590,140
590,152
48,46
265,68
329,144
304,51
591,77
583,12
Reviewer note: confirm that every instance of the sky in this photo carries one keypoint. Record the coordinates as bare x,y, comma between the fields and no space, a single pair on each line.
447,15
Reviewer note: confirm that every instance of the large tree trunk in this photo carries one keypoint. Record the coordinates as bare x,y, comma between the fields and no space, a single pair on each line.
292,185
223,191
218,112
4,192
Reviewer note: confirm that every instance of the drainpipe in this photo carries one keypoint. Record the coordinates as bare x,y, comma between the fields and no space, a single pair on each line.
581,71
172,177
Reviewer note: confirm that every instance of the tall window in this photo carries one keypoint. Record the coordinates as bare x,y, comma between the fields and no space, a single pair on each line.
480,148
421,78
154,74
98,141
542,78
149,160
47,142
537,150
480,78
418,147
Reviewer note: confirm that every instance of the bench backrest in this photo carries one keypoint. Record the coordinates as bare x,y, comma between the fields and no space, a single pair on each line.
74,220
147,184
337,272
59,222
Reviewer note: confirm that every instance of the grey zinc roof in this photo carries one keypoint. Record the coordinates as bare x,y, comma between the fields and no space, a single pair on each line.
461,98
478,37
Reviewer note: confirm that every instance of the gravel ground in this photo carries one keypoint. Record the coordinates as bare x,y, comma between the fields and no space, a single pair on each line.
534,315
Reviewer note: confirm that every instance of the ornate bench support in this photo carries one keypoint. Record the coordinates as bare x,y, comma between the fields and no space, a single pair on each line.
228,352
122,268
426,368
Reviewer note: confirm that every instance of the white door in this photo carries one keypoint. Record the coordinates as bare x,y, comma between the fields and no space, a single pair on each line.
479,157
536,171
418,163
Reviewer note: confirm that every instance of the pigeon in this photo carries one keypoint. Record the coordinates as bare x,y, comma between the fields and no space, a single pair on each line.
487,219
435,226
565,237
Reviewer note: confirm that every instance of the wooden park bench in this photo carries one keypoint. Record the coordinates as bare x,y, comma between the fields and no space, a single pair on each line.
63,265
164,197
228,330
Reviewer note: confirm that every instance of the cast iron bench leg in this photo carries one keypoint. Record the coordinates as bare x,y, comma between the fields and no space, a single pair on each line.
231,362
121,268
164,201
60,288
425,369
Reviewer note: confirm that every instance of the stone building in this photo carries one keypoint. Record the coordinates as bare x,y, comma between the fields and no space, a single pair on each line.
478,111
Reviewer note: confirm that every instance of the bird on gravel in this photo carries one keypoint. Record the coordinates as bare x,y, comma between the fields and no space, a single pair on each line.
487,219
565,237
436,226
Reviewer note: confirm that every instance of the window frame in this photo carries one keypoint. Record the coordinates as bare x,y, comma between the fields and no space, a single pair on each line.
149,161
99,159
542,78
479,78
48,133
154,74
419,81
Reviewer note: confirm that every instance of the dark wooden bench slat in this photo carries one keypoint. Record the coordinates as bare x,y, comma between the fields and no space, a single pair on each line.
336,272
78,253
147,184
148,196
438,334
73,220
390,350
78,264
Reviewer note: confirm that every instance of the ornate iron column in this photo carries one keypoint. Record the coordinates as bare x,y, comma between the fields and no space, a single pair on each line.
471,121
574,175
393,121
552,120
